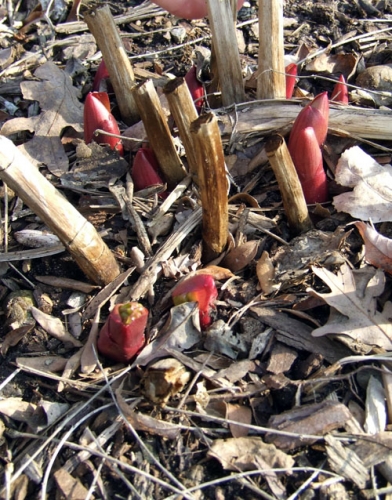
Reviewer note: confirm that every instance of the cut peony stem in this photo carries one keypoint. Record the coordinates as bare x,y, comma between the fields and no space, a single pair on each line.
195,88
340,91
308,161
145,169
101,75
291,78
122,336
97,115
315,115
199,288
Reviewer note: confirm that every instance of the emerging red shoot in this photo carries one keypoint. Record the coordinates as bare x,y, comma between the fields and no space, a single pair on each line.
340,91
199,288
145,169
122,336
291,78
97,115
195,88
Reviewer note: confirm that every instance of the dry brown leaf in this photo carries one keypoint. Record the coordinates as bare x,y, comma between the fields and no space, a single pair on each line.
242,415
358,318
70,487
242,454
241,256
146,423
163,379
372,195
54,327
13,337
265,271
378,248
60,108
19,410
49,364
333,64
88,359
217,272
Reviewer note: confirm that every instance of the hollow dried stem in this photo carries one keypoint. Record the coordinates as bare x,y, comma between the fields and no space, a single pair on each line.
101,24
158,133
226,51
271,81
184,113
75,232
212,181
289,185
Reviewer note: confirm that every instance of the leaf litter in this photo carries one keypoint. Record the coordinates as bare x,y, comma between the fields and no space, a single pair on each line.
264,394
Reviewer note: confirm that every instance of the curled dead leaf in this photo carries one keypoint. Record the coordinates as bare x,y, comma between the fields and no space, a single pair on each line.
241,256
265,273
378,248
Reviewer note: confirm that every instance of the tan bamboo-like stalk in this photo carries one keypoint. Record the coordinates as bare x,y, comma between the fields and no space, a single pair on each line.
75,232
184,113
212,180
289,185
158,132
270,116
224,41
271,81
101,24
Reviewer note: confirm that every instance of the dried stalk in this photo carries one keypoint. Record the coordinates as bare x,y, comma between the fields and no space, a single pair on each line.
226,51
212,181
184,113
101,24
271,81
289,185
158,133
75,232
262,118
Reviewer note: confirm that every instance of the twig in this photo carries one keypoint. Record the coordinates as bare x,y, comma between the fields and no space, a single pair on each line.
290,187
271,83
226,51
75,232
158,133
101,24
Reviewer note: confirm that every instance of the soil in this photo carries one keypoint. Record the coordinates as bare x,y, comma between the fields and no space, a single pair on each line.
137,457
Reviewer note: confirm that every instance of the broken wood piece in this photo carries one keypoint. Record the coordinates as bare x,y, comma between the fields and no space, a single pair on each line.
212,181
184,113
224,41
271,80
75,232
290,187
158,133
102,26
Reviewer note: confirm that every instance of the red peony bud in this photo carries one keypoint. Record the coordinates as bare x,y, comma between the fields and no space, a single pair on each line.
291,78
145,170
308,162
340,91
122,336
195,88
101,75
97,115
198,288
314,115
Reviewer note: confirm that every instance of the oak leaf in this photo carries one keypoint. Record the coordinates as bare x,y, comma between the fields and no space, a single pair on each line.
359,318
60,108
372,194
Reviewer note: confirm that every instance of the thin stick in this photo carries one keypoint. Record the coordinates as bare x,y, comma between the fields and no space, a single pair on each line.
271,82
158,133
289,185
75,232
101,24
212,181
184,113
226,51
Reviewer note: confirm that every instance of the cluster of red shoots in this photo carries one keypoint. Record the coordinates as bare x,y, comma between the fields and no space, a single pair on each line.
123,335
